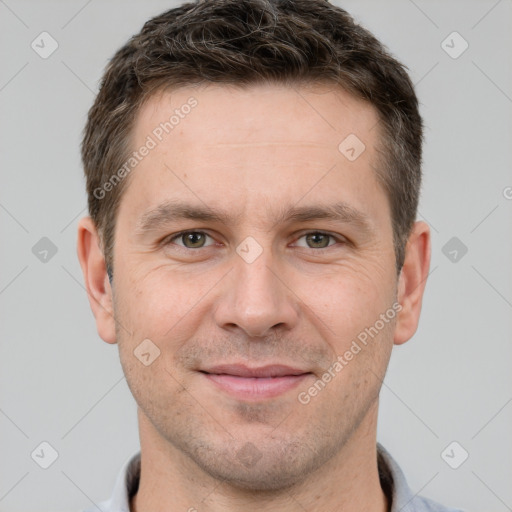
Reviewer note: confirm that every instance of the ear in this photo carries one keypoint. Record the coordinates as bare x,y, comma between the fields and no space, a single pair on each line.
412,281
96,279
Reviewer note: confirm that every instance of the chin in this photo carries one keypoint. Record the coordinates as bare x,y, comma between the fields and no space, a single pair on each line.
261,480
270,468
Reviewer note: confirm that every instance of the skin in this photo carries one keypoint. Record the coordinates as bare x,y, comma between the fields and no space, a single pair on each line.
251,153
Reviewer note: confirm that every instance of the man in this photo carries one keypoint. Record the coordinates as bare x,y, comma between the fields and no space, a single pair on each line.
253,172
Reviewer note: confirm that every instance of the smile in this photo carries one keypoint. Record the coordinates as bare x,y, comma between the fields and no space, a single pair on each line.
252,384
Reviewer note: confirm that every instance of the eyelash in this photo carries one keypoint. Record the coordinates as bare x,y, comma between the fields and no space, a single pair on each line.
169,240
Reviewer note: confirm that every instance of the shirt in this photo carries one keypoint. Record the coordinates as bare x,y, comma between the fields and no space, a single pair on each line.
391,477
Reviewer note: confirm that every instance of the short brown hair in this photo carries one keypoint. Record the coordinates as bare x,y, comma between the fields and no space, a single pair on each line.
243,42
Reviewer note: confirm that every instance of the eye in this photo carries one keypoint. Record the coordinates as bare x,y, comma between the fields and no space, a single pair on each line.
190,239
198,240
318,240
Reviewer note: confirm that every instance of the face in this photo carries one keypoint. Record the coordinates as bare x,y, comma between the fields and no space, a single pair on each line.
255,255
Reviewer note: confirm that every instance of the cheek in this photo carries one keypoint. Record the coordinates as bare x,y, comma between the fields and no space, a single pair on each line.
151,327
347,301
162,305
152,299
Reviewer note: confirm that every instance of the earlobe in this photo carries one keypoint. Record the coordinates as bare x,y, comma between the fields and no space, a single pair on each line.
97,283
412,281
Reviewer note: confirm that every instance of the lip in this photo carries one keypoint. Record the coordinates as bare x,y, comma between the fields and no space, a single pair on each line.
258,383
240,370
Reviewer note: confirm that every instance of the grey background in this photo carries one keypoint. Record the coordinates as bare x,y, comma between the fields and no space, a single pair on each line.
61,384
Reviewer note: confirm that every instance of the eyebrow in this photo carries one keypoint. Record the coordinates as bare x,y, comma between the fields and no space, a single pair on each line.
176,210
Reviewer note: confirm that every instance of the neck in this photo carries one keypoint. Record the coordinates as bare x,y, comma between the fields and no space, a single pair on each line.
170,480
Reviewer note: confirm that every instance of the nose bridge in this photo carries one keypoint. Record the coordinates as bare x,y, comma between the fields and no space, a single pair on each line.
255,299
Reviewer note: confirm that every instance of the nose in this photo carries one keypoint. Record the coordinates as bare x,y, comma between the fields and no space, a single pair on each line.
256,299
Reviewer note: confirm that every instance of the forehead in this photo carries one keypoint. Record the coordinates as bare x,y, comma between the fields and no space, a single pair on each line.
231,116
250,146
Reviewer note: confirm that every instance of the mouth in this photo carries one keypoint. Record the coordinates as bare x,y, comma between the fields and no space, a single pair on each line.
254,384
